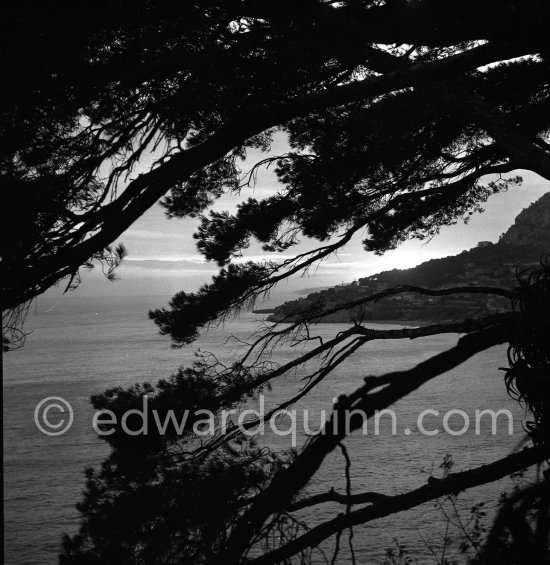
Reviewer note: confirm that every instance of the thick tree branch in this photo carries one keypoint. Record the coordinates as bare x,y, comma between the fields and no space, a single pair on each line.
333,496
147,188
366,335
385,506
287,483
524,152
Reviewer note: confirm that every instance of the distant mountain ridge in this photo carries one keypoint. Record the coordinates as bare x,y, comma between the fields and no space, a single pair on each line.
523,245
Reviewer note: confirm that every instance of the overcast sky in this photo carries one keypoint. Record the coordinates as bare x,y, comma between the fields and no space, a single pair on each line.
162,257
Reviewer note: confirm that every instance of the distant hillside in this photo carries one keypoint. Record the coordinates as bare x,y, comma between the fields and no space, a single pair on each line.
532,225
492,264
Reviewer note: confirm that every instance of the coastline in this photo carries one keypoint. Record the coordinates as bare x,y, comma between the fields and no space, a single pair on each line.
403,323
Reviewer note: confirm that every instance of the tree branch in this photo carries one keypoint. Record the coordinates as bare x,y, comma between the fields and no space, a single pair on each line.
521,150
288,482
387,505
333,496
147,188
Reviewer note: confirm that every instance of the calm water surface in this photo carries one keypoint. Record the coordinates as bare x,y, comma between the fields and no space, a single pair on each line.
84,345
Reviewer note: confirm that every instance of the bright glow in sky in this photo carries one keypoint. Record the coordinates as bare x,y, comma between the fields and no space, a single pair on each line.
163,258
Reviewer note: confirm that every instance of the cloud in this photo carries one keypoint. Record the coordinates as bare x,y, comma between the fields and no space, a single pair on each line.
260,258
146,267
344,265
160,272
152,234
200,260
197,259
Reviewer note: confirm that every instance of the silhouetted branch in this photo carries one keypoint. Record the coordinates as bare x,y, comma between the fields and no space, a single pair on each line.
145,190
385,506
525,153
366,335
333,496
394,386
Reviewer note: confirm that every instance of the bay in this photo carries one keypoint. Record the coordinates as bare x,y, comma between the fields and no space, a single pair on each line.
83,345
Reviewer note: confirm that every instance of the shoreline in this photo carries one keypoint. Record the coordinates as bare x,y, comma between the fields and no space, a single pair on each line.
406,323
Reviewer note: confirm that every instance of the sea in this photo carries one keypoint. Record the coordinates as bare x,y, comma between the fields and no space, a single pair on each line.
81,345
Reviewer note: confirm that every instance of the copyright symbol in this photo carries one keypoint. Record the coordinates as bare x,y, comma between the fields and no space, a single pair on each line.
41,416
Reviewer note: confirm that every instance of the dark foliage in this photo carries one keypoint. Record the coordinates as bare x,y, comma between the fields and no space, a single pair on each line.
178,497
167,511
402,117
529,354
190,311
375,108
520,531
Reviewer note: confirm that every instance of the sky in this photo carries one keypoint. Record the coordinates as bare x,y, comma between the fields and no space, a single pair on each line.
163,259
